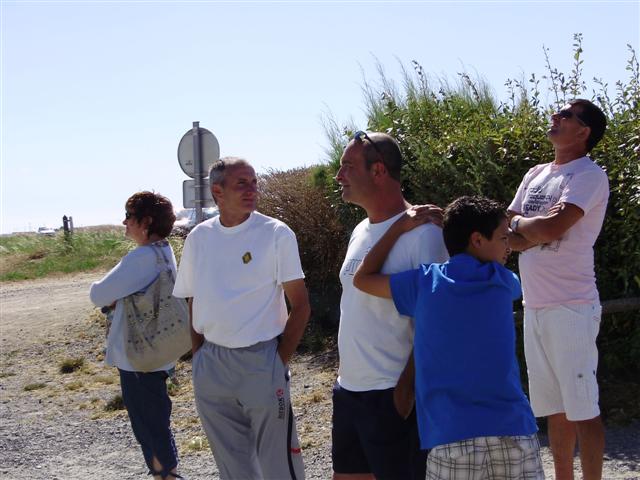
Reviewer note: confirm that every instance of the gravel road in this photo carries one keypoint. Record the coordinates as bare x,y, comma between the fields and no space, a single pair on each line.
58,426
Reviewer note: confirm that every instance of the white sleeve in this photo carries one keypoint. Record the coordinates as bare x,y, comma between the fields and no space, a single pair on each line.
429,247
288,257
586,189
184,279
135,271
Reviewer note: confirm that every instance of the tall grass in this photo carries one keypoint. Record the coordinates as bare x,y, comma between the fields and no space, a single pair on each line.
26,256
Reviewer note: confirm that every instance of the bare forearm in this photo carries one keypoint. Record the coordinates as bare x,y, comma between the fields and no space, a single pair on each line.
367,277
296,324
547,228
404,393
518,243
407,377
536,230
374,260
197,339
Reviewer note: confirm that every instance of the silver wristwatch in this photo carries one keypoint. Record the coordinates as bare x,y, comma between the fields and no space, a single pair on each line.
514,223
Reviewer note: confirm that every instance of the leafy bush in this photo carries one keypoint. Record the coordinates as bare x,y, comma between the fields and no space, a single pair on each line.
459,140
294,198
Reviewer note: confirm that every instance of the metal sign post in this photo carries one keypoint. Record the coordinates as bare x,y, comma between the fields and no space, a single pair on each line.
197,151
197,163
189,195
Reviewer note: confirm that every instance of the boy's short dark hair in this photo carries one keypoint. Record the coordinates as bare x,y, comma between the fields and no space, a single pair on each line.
466,215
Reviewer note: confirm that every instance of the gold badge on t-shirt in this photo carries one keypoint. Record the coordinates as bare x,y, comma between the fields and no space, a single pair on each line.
246,258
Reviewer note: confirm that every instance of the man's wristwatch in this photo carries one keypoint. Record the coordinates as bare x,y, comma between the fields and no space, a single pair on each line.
514,223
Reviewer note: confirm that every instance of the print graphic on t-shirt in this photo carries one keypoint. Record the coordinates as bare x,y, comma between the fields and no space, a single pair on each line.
351,264
539,198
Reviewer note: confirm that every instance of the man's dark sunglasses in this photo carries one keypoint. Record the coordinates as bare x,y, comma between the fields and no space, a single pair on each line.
359,135
128,215
566,113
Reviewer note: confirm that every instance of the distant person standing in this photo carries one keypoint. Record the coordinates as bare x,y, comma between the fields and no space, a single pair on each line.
148,220
375,433
556,216
236,269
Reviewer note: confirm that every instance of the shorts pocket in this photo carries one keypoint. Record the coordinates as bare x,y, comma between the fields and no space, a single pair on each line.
454,451
528,444
586,384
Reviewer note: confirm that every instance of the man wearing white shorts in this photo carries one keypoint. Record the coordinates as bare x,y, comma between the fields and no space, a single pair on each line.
236,269
556,216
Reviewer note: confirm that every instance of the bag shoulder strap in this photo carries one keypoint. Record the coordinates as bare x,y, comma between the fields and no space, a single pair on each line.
161,258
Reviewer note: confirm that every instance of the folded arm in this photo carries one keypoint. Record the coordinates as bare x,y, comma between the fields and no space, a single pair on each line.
130,275
552,226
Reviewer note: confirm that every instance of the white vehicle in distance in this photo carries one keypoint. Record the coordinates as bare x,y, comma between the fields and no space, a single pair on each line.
49,232
186,219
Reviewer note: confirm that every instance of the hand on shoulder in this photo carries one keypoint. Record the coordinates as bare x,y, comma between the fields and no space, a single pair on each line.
419,215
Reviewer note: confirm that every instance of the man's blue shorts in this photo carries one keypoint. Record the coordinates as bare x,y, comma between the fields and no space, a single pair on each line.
369,436
149,408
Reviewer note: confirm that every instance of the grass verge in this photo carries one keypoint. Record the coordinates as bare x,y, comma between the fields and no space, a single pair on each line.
28,256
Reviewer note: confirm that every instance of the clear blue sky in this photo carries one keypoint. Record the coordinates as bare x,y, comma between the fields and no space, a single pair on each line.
96,95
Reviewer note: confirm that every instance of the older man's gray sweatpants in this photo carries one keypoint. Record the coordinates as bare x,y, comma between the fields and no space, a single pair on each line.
242,397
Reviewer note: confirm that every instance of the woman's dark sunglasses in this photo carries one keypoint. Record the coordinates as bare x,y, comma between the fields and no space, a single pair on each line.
359,135
569,114
128,215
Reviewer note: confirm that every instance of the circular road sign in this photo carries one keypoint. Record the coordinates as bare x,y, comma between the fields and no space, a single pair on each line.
209,150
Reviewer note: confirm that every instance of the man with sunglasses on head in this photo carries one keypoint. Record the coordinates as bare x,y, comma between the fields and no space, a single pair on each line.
375,433
556,216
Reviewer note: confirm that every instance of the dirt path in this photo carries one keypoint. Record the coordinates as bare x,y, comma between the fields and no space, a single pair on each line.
57,426
42,306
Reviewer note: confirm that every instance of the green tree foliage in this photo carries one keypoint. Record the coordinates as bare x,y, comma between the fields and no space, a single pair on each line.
459,140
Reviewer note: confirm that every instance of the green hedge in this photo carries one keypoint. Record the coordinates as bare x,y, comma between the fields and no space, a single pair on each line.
458,139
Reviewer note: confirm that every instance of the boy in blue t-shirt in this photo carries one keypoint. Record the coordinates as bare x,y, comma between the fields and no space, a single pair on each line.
472,412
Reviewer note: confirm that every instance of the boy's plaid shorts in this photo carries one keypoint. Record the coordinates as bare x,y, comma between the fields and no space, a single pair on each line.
496,458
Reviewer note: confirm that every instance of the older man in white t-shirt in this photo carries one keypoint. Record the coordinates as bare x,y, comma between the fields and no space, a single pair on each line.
556,216
236,269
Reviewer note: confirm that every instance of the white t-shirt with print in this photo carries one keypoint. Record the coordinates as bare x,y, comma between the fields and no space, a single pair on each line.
374,340
562,271
235,276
